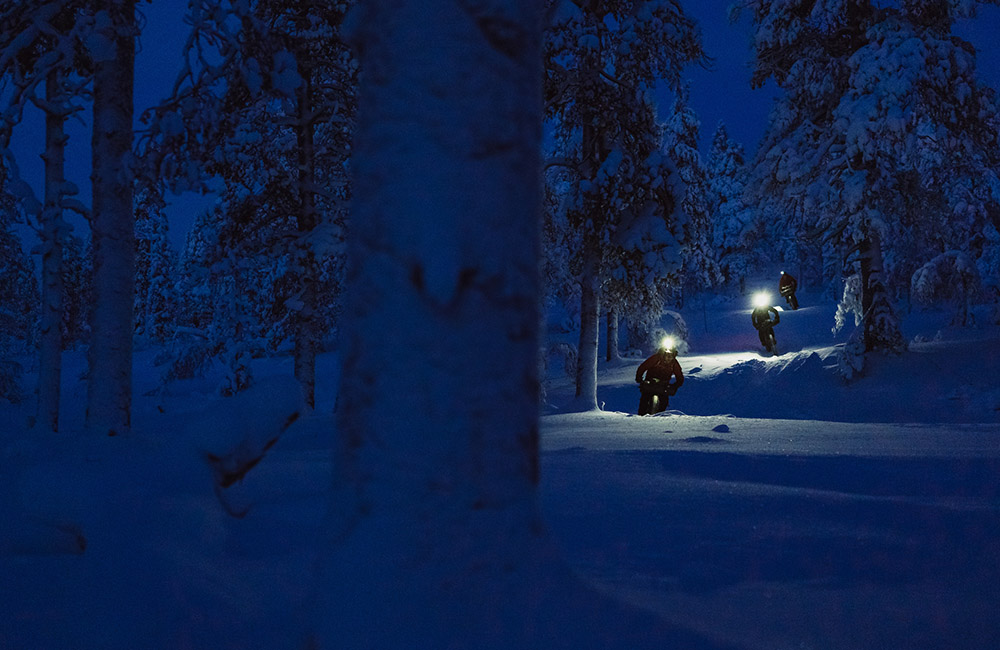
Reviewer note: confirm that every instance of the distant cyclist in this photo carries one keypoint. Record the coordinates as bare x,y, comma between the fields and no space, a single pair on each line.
786,287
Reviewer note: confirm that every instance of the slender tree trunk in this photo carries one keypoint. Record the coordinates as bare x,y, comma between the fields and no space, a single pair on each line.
590,281
881,326
53,231
590,317
305,318
867,255
109,389
612,343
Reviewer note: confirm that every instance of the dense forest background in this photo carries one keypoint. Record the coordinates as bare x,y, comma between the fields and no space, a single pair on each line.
876,180
406,192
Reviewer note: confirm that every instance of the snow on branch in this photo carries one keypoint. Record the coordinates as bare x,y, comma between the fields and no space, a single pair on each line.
951,277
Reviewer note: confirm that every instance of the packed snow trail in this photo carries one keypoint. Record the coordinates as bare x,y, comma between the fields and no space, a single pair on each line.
784,533
775,505
944,377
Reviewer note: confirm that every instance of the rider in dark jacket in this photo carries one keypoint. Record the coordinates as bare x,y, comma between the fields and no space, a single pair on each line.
661,366
786,287
762,321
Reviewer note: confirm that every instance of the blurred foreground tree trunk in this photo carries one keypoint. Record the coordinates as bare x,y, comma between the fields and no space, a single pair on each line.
109,389
435,538
437,414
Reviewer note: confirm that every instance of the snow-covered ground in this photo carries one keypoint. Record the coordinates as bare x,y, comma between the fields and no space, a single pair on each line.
778,507
773,507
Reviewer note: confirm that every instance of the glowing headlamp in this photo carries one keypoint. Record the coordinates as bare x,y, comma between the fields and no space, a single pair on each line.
668,343
761,299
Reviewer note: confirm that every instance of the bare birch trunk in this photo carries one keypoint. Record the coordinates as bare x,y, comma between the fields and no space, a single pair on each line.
53,231
305,319
612,343
590,282
590,318
109,389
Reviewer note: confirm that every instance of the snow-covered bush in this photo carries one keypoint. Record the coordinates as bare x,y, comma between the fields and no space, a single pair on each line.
851,360
670,323
850,303
562,355
951,277
677,327
190,355
193,353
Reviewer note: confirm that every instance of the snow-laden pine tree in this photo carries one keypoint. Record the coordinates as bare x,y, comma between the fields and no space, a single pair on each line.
643,258
735,232
155,266
680,143
881,123
19,303
195,342
224,292
272,122
640,255
43,65
602,62
951,277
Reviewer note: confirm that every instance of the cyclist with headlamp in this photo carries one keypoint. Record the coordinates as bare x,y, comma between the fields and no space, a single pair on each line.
656,388
763,323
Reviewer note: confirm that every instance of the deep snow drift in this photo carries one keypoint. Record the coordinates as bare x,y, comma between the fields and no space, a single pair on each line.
773,507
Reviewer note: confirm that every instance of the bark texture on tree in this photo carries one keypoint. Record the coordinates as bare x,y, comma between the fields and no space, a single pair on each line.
612,335
438,407
881,326
436,540
305,318
590,320
53,231
109,388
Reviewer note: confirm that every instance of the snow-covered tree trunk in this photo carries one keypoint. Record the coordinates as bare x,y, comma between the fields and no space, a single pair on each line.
305,325
590,279
613,353
881,326
53,231
590,319
436,539
109,389
438,407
